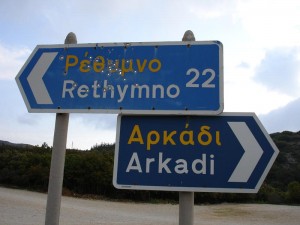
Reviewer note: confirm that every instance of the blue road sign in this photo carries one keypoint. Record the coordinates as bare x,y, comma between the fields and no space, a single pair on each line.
227,153
148,78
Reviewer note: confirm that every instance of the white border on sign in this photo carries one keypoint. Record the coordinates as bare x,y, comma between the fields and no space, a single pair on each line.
196,189
125,111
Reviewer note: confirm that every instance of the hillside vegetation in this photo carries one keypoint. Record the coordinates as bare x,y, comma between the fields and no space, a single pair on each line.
89,174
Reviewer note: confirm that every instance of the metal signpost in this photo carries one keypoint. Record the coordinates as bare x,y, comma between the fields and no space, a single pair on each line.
227,153
137,78
192,149
58,160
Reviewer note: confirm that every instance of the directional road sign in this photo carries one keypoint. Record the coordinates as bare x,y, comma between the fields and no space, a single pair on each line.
227,153
151,78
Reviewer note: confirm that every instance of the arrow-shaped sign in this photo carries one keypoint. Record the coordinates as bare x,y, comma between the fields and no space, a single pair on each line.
135,78
227,153
252,154
35,78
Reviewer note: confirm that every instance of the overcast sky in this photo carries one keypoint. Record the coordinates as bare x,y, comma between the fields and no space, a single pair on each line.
261,42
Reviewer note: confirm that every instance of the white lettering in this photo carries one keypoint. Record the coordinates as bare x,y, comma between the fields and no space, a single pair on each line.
97,90
163,164
134,160
122,93
140,90
148,162
69,90
181,166
203,165
107,87
95,87
82,91
161,88
177,91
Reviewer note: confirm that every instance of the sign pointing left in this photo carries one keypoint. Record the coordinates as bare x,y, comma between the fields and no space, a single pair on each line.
35,78
135,78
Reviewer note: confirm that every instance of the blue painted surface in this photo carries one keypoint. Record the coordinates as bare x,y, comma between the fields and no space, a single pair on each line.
175,60
226,155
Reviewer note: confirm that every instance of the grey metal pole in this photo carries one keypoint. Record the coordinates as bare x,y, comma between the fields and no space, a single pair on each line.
186,208
186,199
58,160
188,36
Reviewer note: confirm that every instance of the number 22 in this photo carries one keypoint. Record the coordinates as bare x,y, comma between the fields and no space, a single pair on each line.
206,84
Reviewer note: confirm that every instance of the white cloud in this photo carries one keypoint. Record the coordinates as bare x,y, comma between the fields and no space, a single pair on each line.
86,131
11,60
243,91
285,118
270,22
96,121
268,43
280,70
242,94
209,10
28,119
